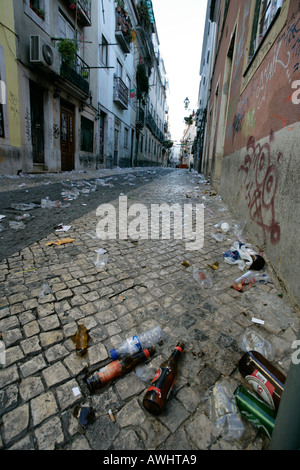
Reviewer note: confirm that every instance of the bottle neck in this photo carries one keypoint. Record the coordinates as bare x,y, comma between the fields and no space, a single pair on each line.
177,352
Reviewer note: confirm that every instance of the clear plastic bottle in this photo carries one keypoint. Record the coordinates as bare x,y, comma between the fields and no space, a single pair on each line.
250,277
137,343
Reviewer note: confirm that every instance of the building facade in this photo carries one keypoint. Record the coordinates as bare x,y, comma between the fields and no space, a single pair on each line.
251,152
68,75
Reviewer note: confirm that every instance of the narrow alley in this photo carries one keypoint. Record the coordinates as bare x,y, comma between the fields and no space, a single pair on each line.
145,283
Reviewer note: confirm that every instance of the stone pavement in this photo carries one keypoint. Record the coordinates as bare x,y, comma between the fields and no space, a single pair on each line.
144,284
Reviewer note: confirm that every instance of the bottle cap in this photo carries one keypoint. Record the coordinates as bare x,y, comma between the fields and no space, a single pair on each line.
114,354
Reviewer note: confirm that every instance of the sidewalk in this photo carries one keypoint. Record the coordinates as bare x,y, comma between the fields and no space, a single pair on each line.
144,284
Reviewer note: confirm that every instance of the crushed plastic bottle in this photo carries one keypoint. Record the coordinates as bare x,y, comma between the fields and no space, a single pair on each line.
202,278
223,411
101,258
250,278
253,341
137,343
16,225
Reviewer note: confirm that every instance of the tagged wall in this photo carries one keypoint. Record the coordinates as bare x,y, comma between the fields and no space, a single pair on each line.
260,163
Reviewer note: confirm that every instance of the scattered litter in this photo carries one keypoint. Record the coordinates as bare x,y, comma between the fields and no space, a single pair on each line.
92,234
214,266
61,242
257,320
223,411
185,263
110,413
62,228
2,217
46,289
253,341
22,217
2,228
248,279
219,237
101,258
16,225
85,415
76,391
202,278
24,207
81,340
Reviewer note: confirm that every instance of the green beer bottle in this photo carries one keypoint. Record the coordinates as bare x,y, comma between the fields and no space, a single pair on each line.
255,410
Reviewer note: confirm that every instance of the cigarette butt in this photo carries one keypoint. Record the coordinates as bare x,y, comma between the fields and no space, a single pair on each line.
111,415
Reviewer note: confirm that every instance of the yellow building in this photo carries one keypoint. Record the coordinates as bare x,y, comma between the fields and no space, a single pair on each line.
10,135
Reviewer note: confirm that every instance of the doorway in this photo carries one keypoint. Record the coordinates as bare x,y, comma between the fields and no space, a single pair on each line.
67,144
37,124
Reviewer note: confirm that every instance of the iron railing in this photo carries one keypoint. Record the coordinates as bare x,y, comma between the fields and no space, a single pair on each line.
121,93
78,74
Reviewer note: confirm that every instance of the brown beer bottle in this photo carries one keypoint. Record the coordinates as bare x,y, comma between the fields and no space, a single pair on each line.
156,397
267,381
117,368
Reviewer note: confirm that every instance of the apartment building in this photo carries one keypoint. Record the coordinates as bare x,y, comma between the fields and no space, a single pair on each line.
71,85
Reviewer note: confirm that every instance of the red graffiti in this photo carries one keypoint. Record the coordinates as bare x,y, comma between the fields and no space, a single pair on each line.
261,179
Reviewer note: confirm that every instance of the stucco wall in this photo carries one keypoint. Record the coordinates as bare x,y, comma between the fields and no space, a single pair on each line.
259,176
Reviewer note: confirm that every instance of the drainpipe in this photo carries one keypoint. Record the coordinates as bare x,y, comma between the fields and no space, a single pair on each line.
286,434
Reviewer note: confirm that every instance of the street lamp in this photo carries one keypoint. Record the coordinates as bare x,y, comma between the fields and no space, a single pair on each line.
186,103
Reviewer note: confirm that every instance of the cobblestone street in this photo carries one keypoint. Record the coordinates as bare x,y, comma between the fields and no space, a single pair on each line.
145,283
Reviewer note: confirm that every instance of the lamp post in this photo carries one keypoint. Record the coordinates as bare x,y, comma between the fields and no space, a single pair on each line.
186,103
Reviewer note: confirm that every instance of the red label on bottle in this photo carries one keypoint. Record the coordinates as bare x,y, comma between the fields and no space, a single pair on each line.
178,348
262,386
155,389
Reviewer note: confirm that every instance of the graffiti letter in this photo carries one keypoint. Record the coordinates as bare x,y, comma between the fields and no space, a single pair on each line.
296,94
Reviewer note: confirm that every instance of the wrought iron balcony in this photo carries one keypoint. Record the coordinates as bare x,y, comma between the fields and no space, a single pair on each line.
78,74
121,93
84,11
150,122
140,118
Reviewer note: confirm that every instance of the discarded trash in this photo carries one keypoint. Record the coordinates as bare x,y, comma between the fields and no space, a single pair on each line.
61,241
138,342
84,414
258,262
16,225
22,217
2,217
239,254
253,341
257,320
219,237
62,228
225,227
101,258
157,395
24,207
81,340
76,391
223,411
2,228
214,266
185,264
111,415
265,379
46,289
117,368
202,278
255,411
249,278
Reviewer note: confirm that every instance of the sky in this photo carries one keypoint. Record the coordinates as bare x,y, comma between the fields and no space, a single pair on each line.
180,26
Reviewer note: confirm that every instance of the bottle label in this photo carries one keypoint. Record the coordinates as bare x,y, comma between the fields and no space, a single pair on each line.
109,372
134,345
262,387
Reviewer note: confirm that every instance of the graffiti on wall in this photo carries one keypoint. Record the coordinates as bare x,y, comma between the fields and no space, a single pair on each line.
261,181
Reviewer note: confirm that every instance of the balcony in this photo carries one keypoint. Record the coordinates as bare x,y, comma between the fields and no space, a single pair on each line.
84,11
150,122
78,74
123,31
121,93
140,118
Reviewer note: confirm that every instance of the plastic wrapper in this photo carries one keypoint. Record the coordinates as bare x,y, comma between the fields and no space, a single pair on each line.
223,411
253,341
100,261
202,278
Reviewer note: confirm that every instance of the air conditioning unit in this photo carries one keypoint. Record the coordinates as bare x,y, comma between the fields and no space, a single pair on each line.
43,54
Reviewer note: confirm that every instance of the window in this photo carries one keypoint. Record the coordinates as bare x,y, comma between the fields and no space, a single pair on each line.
66,30
87,135
119,69
38,7
104,51
265,12
126,136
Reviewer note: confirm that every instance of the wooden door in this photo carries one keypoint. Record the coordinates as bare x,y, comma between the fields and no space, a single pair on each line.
67,144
